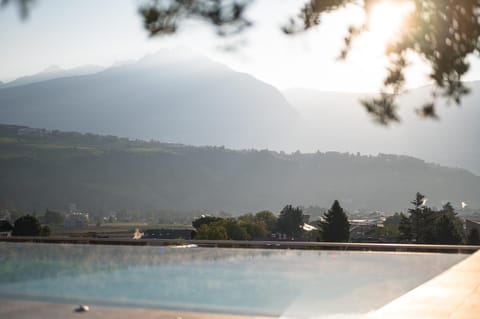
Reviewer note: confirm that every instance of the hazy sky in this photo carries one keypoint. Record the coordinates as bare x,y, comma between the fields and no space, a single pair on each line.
79,32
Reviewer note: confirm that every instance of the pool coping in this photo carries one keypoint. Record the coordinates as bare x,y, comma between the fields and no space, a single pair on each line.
453,294
249,244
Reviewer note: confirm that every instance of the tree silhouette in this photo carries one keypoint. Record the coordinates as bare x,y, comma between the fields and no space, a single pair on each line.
335,226
446,232
449,212
255,227
421,220
290,221
205,220
235,231
268,218
213,231
427,226
26,226
22,5
473,237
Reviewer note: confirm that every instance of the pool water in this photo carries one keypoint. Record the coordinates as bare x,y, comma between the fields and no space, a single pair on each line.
293,283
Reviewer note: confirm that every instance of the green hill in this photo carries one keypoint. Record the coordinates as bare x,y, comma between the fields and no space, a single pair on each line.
41,168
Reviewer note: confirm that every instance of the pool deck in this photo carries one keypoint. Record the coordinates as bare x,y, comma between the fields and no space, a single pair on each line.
19,309
454,294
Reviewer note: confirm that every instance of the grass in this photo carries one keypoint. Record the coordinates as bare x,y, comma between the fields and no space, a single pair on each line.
147,150
48,146
7,140
111,230
16,147
12,148
5,155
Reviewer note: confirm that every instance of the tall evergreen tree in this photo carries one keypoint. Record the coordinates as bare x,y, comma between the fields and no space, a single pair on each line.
422,220
416,220
335,226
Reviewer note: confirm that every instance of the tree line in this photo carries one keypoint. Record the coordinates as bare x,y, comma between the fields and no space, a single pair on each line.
421,225
264,225
425,225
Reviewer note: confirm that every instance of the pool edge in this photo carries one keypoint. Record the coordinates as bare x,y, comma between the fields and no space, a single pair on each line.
455,293
22,309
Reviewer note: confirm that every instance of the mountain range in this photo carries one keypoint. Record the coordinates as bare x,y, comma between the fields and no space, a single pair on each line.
337,121
53,72
195,101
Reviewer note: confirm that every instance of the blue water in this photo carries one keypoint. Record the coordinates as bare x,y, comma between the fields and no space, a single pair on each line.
246,281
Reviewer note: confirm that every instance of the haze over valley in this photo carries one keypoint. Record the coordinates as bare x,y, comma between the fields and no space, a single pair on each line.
194,101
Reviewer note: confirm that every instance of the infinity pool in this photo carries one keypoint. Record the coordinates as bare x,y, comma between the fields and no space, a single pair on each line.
290,283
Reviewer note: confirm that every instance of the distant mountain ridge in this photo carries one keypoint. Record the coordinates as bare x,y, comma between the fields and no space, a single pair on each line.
53,72
179,97
452,140
49,169
192,100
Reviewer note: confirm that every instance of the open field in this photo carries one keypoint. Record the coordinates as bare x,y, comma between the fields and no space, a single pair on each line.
111,230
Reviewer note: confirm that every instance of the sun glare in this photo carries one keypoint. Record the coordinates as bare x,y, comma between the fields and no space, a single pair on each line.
387,19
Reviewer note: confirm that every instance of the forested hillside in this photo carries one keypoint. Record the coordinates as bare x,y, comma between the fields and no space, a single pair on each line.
49,169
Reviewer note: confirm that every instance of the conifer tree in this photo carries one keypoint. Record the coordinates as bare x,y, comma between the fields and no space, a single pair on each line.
335,226
422,220
428,226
